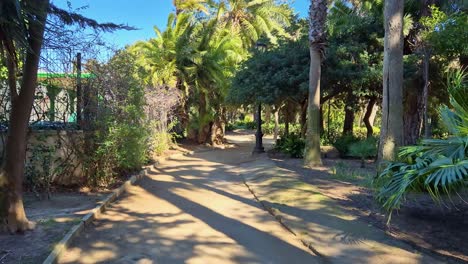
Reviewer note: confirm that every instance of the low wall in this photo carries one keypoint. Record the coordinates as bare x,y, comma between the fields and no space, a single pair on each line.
52,155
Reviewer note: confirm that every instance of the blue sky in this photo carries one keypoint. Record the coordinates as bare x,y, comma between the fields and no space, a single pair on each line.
142,14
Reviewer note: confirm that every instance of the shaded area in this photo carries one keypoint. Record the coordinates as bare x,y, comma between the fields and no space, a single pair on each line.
189,210
427,226
54,218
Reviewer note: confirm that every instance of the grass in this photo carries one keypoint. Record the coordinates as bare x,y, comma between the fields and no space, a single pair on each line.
342,171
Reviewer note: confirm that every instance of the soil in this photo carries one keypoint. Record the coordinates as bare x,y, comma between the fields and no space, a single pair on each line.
54,218
440,229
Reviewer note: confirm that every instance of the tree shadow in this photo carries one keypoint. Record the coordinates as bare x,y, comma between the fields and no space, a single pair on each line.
193,230
437,233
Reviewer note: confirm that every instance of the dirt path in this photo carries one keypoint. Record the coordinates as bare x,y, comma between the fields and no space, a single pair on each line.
192,209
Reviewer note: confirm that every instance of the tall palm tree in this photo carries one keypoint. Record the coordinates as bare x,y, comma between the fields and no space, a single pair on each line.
216,53
317,40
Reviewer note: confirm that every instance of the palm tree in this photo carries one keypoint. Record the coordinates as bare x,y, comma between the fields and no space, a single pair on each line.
255,19
190,6
216,53
317,38
163,57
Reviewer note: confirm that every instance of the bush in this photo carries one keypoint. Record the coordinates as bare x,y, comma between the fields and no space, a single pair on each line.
343,143
363,149
292,145
119,142
366,148
241,125
269,128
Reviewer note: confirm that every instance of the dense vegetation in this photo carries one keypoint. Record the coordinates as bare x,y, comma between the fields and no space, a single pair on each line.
319,81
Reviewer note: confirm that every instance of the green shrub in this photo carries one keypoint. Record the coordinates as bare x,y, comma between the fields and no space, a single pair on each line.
241,125
292,145
343,143
230,127
269,128
363,149
120,140
160,142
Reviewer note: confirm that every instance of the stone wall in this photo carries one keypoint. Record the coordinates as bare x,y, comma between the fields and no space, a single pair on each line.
57,149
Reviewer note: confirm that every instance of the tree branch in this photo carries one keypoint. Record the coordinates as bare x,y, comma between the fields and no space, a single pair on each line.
70,18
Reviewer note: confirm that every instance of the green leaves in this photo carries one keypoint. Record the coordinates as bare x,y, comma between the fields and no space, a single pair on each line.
437,166
273,76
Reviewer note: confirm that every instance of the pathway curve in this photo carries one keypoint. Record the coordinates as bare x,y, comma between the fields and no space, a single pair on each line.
193,209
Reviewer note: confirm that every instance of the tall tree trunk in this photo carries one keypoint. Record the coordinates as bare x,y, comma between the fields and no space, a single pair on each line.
217,130
21,105
317,18
312,150
391,136
413,113
367,115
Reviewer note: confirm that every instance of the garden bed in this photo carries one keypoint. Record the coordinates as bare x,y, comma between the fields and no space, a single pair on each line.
421,223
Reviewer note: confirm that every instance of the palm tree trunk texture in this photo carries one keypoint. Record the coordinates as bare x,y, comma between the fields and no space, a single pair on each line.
391,136
317,17
13,167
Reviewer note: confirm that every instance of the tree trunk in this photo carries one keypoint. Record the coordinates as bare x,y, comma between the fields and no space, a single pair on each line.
312,150
21,105
348,121
425,99
367,115
373,114
276,131
204,127
391,136
413,113
217,130
349,115
317,39
426,56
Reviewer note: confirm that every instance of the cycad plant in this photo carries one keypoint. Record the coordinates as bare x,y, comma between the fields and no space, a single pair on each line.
436,166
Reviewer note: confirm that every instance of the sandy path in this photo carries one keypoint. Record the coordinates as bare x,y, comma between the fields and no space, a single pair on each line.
190,210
